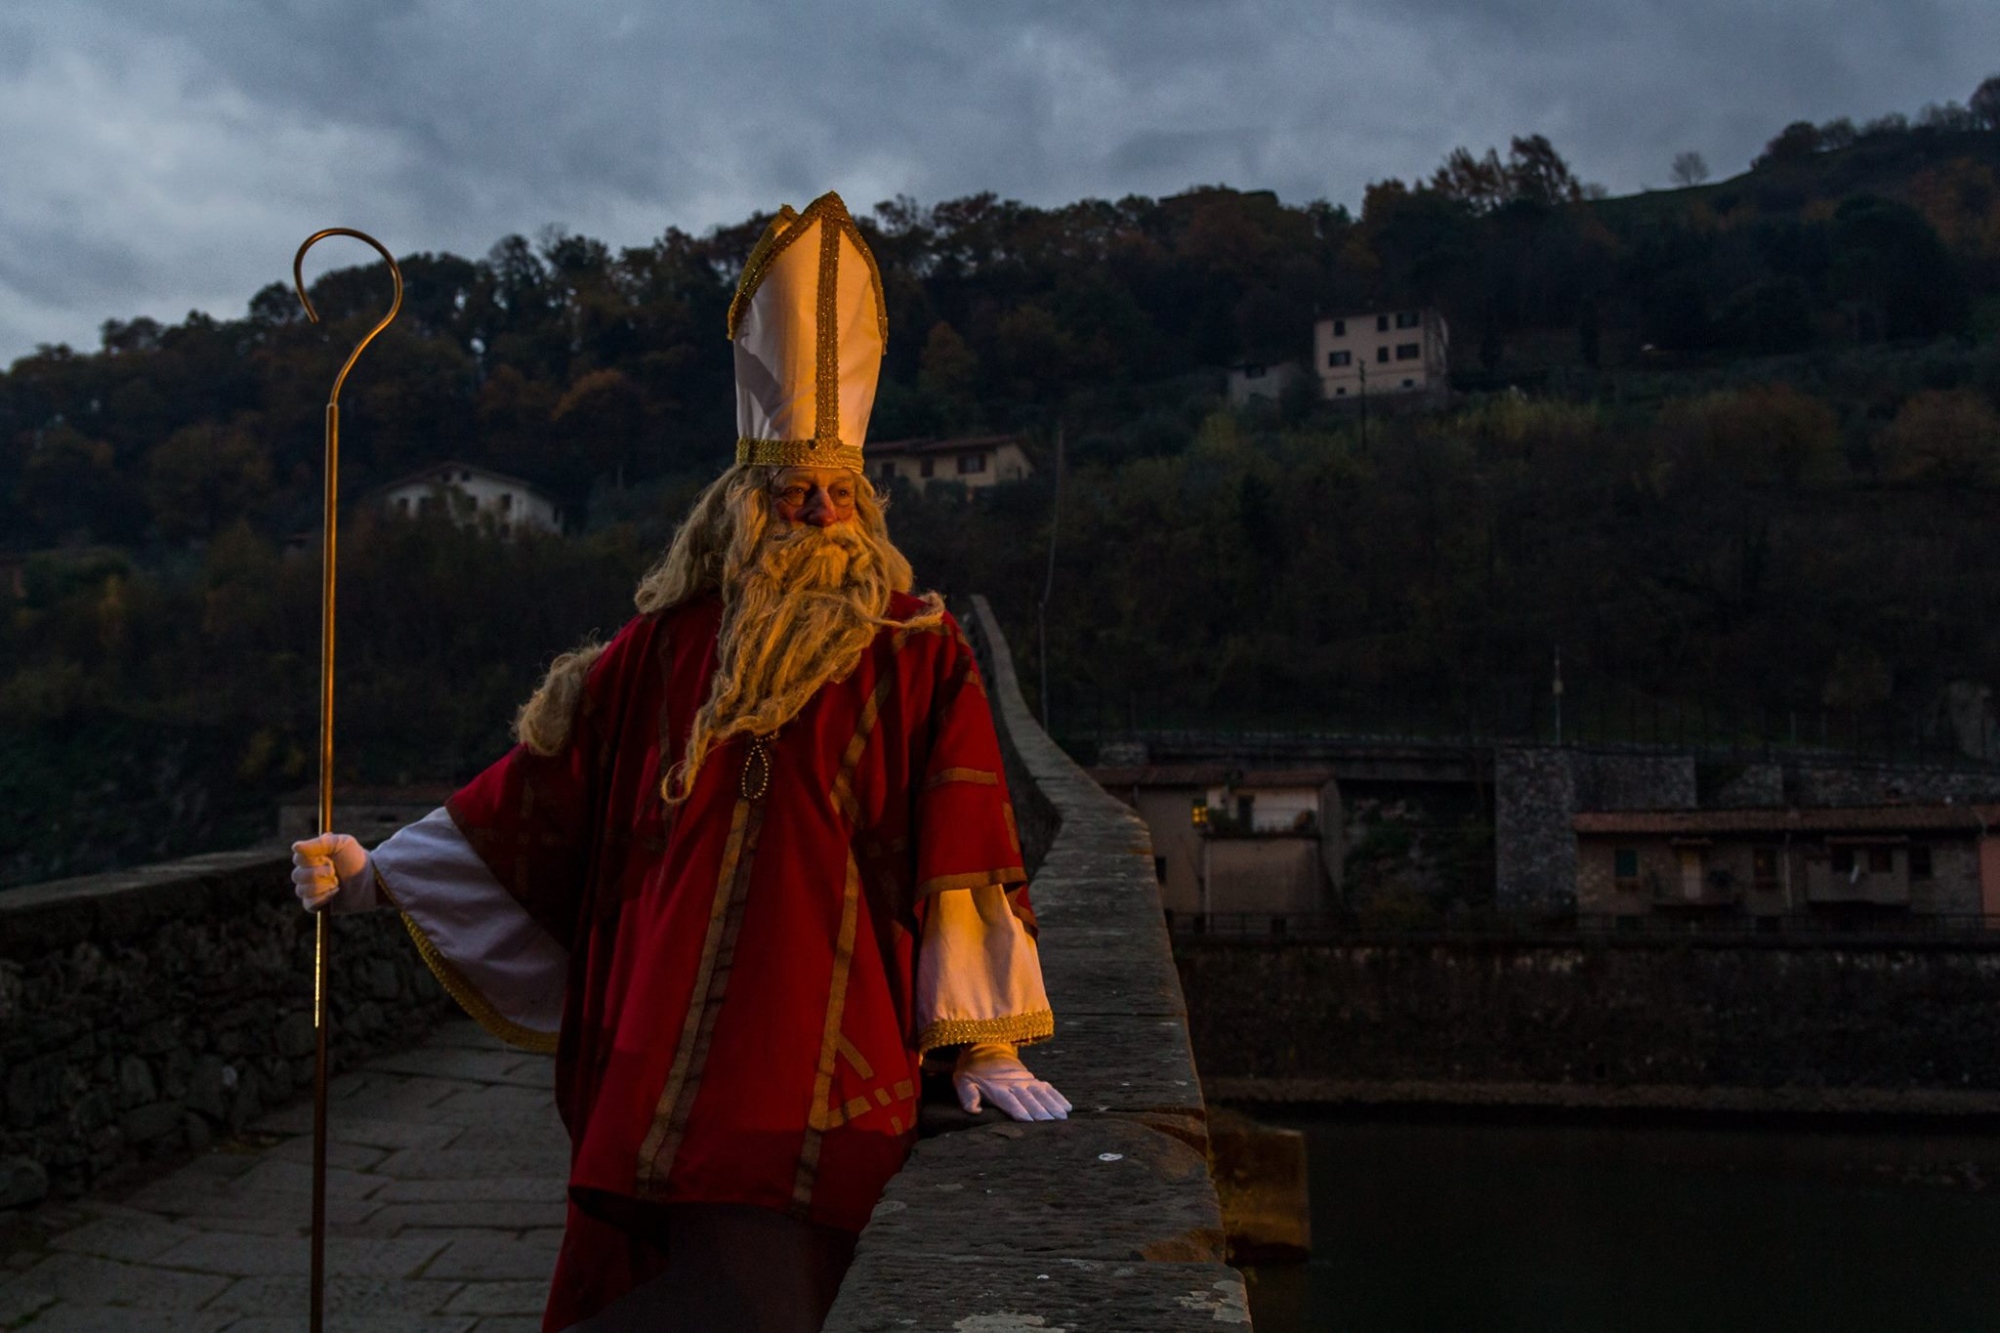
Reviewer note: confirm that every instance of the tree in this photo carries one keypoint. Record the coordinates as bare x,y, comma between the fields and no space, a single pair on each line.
1889,261
204,477
1689,169
1945,436
1798,140
948,366
1984,104
1537,174
1479,182
600,418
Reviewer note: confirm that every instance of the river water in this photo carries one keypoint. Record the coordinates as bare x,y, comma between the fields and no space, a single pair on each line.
1455,1226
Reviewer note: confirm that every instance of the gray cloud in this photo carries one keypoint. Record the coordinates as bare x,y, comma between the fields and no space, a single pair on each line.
162,155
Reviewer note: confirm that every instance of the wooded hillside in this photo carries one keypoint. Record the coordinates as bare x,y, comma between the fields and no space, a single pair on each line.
1731,444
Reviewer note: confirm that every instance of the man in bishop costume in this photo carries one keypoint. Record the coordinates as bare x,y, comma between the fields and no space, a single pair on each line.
750,865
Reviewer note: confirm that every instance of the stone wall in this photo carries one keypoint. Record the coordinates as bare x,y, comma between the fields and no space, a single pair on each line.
144,1011
1746,1024
1106,1221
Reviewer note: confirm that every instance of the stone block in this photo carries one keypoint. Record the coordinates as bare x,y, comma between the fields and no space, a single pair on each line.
130,1237
85,1279
500,1298
1122,1063
295,1035
546,1188
157,1037
474,1066
1096,1187
453,1164
509,1215
1105,975
382,979
274,1295
23,1180
79,1318
891,1293
495,1260
205,1090
33,1091
145,1124
273,1256
1261,1182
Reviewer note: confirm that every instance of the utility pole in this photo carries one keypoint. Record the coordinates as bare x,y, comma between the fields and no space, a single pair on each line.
1049,583
1557,691
1361,367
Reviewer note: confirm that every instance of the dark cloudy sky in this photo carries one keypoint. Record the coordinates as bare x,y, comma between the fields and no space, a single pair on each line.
162,155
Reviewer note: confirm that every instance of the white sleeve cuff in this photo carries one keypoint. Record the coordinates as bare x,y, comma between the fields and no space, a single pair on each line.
496,960
979,977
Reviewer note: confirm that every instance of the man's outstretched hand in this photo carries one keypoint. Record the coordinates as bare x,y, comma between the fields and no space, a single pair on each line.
992,1071
332,870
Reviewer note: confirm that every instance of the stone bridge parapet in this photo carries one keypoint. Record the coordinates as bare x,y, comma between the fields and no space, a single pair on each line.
1107,1221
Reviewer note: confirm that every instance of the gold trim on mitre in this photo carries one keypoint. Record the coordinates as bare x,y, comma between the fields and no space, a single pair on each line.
808,357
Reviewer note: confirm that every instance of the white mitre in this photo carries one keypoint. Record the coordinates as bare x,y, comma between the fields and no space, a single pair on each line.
809,328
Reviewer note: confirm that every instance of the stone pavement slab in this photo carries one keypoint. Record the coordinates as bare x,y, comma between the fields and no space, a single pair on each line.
445,1209
1092,1187
888,1293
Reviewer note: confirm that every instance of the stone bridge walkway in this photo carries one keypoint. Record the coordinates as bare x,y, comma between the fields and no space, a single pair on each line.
444,1210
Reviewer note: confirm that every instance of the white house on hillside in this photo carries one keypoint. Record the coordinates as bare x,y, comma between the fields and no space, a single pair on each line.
976,461
1382,353
469,495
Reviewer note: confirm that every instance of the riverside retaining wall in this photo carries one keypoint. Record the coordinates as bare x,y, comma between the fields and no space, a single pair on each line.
1104,1222
1846,1026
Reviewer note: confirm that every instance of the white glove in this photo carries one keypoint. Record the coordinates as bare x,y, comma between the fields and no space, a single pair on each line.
332,870
991,1068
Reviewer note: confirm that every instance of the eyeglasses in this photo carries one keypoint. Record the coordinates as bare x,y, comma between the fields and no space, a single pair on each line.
840,495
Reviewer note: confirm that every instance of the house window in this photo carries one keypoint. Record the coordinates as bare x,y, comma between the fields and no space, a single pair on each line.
1381,354
1625,866
1764,869
1340,358
506,502
1409,384
1381,323
1340,328
1246,812
1408,319
971,463
427,504
1880,861
1920,862
1253,372
1409,351
465,476
402,504
1841,860
1340,392
925,468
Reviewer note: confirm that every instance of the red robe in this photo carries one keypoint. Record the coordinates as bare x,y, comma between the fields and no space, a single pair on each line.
738,1025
